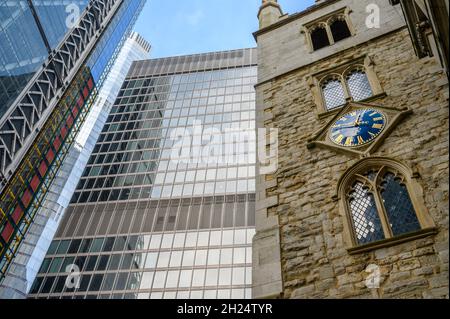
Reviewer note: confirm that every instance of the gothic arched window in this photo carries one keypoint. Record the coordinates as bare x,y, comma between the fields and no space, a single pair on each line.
379,202
358,84
339,29
366,222
397,203
355,80
319,38
328,29
333,92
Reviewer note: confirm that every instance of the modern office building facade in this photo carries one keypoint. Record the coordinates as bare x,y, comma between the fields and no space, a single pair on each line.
135,48
46,111
31,253
165,207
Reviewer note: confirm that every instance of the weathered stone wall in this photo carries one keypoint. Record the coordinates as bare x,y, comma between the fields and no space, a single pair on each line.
314,259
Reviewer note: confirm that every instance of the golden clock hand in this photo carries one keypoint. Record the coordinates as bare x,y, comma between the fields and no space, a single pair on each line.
357,119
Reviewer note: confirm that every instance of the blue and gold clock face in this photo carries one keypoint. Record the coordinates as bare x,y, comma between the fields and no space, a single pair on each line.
357,128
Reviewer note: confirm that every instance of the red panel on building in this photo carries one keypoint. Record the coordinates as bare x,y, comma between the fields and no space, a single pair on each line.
85,92
43,168
50,156
35,183
17,214
90,83
56,143
63,132
69,121
75,111
80,101
26,198
7,231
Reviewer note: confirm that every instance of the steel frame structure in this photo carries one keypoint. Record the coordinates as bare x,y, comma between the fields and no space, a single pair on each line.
48,154
34,113
23,120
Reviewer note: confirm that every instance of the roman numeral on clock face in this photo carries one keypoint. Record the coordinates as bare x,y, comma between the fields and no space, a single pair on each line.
349,141
377,126
339,138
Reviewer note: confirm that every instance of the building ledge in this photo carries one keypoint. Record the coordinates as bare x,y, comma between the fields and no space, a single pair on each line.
393,241
372,98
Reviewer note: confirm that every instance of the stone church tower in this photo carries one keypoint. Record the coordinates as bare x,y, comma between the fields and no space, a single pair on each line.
352,193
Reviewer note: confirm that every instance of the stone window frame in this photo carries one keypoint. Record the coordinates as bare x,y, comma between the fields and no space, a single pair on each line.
364,64
333,76
325,22
320,25
410,179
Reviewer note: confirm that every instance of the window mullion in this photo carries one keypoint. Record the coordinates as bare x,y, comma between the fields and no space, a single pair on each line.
382,213
345,87
330,35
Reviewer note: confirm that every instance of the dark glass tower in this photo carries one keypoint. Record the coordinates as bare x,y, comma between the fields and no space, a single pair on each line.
54,58
148,221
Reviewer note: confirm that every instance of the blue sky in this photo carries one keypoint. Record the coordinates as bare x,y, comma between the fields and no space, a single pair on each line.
177,27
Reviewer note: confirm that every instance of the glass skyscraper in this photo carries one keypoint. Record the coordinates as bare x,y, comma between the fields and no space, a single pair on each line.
165,206
29,30
32,252
54,59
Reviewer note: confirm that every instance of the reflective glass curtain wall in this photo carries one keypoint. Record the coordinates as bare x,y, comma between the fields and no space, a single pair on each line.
142,225
79,97
23,47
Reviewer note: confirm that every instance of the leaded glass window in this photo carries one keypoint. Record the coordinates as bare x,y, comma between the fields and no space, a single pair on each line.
358,85
342,84
398,205
380,206
333,93
366,222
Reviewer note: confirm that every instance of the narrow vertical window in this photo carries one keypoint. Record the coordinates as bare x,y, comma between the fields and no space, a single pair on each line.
358,85
333,93
399,209
319,38
339,29
365,219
